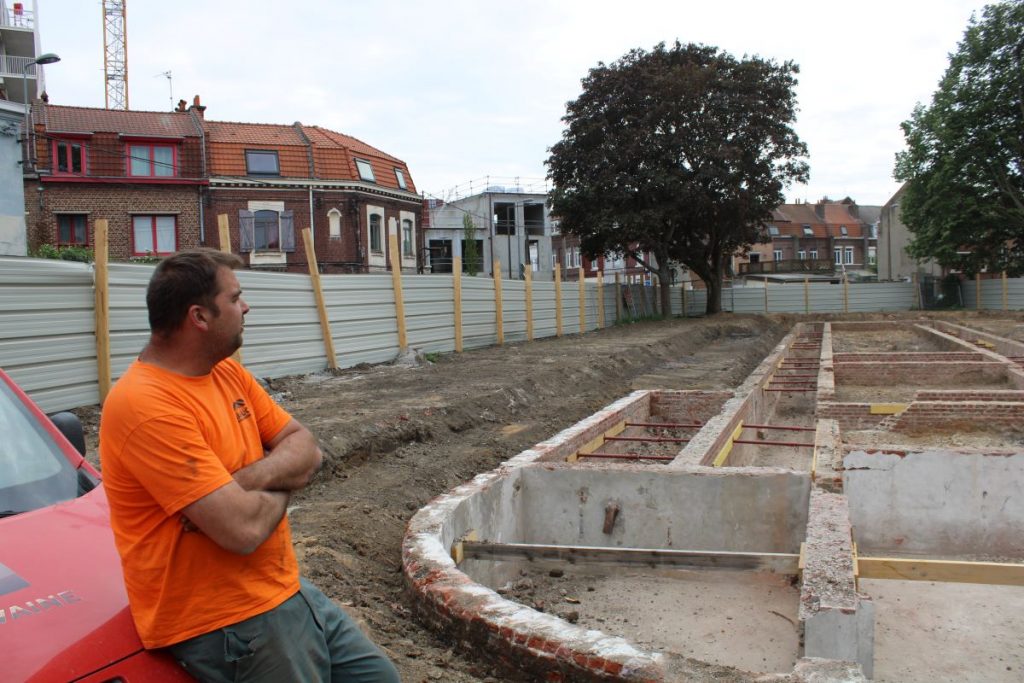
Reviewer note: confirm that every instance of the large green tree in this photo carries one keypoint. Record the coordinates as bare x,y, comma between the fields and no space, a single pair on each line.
964,160
682,152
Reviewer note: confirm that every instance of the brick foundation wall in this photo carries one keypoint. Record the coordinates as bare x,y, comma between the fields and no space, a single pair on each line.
882,374
959,416
849,415
915,357
954,395
687,406
116,202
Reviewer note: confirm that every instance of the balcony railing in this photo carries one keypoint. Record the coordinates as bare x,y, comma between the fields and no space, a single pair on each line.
14,65
19,18
788,266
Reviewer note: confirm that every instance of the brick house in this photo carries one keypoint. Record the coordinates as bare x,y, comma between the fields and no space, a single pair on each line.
161,179
142,171
274,180
824,239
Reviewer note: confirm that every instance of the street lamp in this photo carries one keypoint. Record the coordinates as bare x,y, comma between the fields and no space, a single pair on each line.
45,58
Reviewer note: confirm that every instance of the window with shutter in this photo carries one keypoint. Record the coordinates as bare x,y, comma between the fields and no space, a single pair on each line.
247,230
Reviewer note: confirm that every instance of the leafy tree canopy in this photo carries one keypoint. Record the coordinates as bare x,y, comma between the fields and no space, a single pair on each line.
682,151
964,161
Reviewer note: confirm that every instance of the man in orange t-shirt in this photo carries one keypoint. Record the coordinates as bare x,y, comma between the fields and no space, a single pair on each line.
198,465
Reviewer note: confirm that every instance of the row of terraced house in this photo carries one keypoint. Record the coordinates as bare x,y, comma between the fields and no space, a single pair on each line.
163,179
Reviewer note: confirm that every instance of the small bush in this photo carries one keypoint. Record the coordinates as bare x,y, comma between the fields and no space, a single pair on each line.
71,253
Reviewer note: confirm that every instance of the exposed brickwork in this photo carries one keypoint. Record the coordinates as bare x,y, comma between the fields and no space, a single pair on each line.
956,395
114,202
923,416
887,373
849,415
913,357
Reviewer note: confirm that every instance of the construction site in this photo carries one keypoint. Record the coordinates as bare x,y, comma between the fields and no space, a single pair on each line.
850,510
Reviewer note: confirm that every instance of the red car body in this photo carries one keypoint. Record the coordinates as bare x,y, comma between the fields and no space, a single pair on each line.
63,607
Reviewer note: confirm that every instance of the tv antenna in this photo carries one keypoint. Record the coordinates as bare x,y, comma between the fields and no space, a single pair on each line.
170,85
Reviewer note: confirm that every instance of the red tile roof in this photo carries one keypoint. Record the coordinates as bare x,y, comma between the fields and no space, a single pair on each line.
60,119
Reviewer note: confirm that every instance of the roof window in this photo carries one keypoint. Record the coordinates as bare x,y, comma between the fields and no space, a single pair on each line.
365,171
808,232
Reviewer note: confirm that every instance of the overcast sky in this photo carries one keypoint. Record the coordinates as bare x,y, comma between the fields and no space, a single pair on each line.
461,90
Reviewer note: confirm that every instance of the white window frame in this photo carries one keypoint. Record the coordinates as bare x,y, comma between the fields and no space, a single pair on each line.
376,258
837,256
277,257
802,255
334,224
365,170
777,254
408,259
814,254
848,256
400,177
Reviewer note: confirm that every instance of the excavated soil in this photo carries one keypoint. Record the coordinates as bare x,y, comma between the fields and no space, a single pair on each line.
395,436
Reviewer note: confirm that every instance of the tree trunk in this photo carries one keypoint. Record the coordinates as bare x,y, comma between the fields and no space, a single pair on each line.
665,278
714,285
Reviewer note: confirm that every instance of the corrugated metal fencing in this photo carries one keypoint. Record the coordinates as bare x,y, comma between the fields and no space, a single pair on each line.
996,294
47,340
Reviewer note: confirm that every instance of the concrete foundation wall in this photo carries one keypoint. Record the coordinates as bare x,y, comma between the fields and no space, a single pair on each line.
936,502
733,510
1001,345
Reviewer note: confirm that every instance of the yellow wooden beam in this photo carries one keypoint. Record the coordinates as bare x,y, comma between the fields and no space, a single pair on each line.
457,300
887,408
396,285
558,300
101,306
457,552
947,571
318,297
499,316
723,454
528,275
224,230
597,441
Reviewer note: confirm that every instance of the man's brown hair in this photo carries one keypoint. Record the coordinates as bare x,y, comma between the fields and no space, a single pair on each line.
182,280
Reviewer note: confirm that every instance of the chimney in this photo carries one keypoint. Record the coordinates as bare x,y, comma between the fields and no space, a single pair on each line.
181,108
819,210
199,109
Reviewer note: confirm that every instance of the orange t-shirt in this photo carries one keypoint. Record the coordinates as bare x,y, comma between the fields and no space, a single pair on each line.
167,440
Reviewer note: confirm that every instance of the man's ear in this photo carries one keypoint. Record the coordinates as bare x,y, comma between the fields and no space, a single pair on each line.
198,316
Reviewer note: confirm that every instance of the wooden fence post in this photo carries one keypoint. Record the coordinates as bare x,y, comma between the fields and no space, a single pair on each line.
102,304
600,299
457,295
583,301
977,291
1006,300
225,246
618,297
396,285
558,299
528,275
682,289
499,318
807,295
766,295
318,296
846,294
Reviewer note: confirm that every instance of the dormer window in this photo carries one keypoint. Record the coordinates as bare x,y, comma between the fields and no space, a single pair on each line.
401,179
808,232
261,162
842,230
68,157
773,231
365,171
154,161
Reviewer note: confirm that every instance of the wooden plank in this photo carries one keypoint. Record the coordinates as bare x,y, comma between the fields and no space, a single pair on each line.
225,246
780,563
457,551
807,294
583,301
396,283
597,441
528,275
946,571
723,454
682,289
886,408
600,299
499,316
558,300
102,306
1006,301
318,296
618,297
457,296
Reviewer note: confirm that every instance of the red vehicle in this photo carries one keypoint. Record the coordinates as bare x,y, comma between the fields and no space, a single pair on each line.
63,608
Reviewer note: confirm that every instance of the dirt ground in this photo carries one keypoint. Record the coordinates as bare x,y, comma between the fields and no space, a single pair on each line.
395,436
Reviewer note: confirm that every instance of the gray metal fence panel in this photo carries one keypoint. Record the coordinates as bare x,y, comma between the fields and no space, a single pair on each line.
544,320
788,298
825,298
1015,294
478,313
747,299
992,294
882,296
513,309
47,331
429,312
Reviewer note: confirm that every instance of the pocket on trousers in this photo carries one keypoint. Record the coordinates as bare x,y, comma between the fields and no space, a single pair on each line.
240,645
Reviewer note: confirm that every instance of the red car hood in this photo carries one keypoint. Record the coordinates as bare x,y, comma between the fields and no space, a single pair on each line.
63,608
